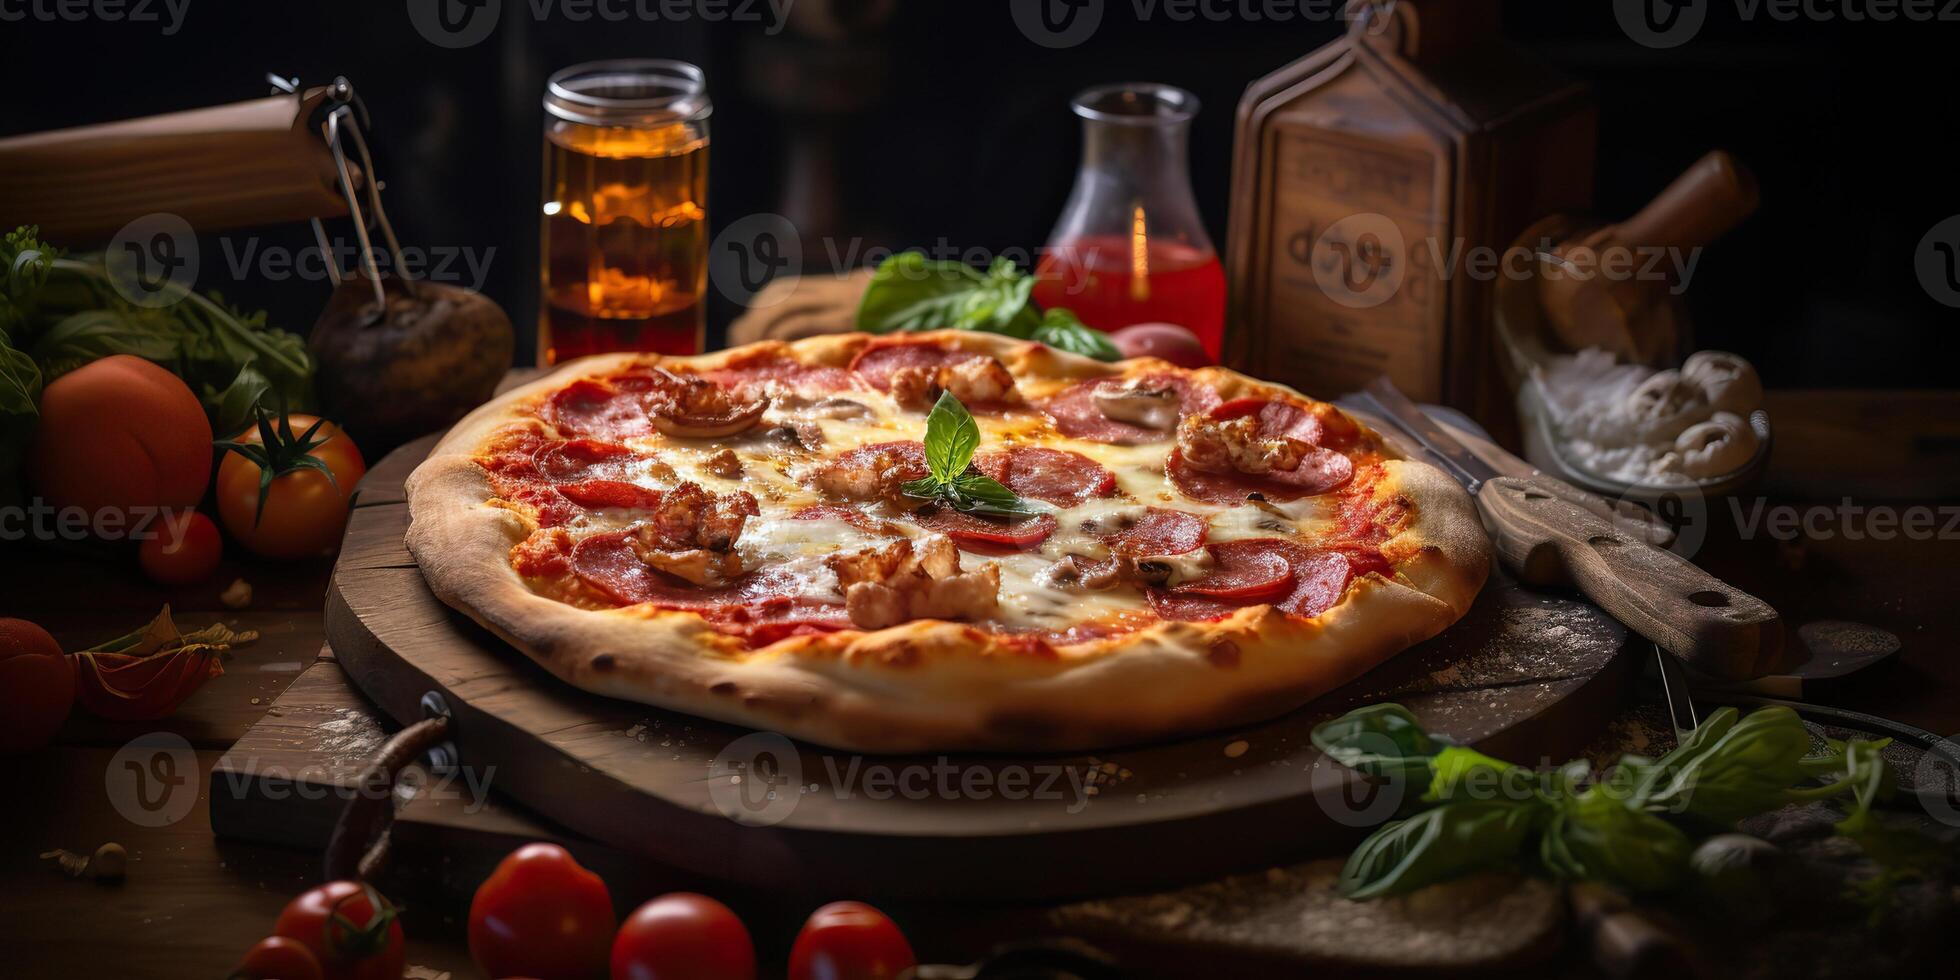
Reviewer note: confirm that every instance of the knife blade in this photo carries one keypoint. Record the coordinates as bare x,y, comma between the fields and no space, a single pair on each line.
1551,533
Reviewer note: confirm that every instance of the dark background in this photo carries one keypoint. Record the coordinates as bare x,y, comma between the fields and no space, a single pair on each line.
943,123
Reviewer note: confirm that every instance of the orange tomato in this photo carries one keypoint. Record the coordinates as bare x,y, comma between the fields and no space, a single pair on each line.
121,433
304,510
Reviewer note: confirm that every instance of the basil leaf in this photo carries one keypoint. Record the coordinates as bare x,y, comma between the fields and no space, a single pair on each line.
977,493
1436,845
951,438
1460,773
908,292
1061,330
1595,836
1379,740
1730,767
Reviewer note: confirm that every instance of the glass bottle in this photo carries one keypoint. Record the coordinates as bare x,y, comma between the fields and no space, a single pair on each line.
625,223
1129,246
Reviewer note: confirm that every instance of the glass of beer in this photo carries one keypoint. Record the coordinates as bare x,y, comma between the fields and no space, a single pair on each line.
625,254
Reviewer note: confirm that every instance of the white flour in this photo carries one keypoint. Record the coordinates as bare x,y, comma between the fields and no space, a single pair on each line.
1633,424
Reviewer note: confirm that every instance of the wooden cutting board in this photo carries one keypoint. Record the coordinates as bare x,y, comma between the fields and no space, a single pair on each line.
1525,674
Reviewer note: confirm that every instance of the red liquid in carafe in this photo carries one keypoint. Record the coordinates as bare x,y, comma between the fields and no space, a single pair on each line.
1110,283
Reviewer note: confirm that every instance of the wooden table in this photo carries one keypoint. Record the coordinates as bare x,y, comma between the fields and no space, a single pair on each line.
192,903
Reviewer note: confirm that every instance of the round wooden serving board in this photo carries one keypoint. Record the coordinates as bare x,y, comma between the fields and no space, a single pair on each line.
1525,675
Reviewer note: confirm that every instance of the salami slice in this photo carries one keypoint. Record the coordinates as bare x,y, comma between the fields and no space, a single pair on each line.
1319,580
1057,476
1276,418
574,460
849,515
600,409
986,534
1243,572
1076,415
595,494
875,365
1322,470
754,373
757,608
1159,532
608,564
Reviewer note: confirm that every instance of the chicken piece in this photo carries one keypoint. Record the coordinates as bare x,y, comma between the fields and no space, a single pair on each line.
900,582
974,380
1236,446
691,534
873,473
724,464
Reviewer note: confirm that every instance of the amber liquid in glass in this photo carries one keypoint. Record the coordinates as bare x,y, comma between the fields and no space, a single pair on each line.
625,241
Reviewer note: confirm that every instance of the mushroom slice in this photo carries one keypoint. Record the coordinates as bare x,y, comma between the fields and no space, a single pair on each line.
688,407
1730,383
1169,571
1717,447
1139,403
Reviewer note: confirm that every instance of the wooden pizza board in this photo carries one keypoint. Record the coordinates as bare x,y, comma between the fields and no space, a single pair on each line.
1526,675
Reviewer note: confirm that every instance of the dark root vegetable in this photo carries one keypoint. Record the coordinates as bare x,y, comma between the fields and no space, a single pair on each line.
391,375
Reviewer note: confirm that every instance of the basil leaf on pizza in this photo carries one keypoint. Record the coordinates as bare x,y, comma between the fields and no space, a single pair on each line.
952,437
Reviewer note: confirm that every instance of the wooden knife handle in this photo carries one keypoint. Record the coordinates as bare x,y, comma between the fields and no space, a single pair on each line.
1548,539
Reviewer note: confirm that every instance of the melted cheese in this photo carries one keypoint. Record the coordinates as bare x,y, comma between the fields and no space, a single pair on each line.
796,549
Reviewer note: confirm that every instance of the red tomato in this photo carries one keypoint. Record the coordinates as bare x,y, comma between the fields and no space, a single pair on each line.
350,928
542,915
278,958
1166,340
37,686
683,936
181,549
304,511
849,941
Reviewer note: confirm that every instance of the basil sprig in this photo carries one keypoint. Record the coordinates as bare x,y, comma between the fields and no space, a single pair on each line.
952,437
909,292
1634,829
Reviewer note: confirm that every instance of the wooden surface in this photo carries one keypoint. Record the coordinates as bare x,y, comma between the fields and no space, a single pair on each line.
1521,670
194,903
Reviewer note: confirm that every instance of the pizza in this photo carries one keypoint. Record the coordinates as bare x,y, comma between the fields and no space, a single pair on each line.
940,541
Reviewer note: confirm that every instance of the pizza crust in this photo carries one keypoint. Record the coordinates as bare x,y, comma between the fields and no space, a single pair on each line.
933,685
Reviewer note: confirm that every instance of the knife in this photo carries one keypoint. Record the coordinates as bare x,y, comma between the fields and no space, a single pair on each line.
1551,533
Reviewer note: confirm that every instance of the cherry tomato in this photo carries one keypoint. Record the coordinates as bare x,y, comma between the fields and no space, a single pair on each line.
37,686
350,928
181,550
849,941
304,510
683,936
279,958
542,915
1166,340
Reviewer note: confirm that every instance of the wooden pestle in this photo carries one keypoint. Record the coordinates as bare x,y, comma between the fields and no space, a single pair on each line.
1594,290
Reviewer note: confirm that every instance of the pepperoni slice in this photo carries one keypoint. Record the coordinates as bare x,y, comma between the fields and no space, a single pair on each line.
609,493
581,459
1322,470
757,608
606,409
1159,532
1075,414
803,378
1244,572
1320,579
1057,476
875,365
1276,418
608,564
849,515
986,534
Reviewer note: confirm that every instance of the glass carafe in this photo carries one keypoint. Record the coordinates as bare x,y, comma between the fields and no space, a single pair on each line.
1130,247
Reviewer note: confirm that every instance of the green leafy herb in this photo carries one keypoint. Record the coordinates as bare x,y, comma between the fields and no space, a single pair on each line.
909,292
1633,829
952,437
1061,330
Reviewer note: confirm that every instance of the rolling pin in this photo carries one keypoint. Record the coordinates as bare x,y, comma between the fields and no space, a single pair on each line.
1592,287
228,166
